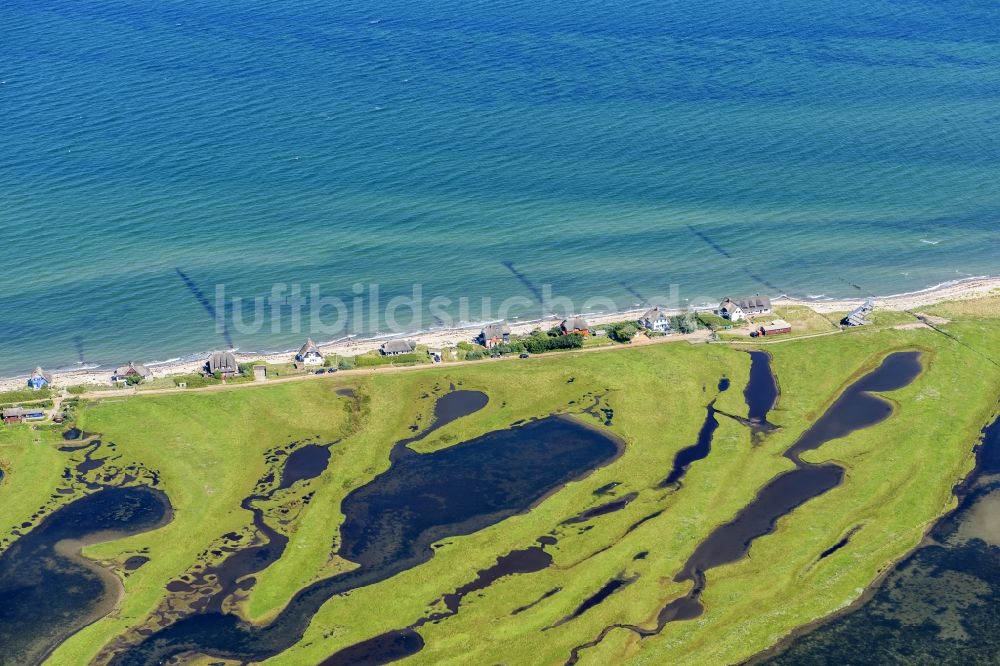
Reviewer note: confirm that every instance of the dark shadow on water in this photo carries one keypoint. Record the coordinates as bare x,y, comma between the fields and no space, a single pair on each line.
47,590
523,279
207,305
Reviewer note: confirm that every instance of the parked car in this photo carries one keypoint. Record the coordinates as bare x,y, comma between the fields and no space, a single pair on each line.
331,371
523,356
320,371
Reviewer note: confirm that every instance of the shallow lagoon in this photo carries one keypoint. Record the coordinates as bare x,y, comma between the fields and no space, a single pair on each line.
392,521
47,590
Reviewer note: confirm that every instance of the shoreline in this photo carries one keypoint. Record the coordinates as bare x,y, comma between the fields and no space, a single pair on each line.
963,488
965,288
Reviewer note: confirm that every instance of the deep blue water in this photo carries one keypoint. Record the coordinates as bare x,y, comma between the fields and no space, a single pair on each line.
604,148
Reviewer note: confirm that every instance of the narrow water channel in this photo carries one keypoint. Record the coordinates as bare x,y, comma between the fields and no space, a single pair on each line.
391,523
939,605
394,645
304,463
855,409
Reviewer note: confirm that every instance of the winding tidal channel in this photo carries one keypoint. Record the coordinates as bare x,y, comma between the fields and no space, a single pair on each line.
48,590
392,522
939,605
855,409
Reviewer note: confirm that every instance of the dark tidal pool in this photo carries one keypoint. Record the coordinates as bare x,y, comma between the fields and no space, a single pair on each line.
940,605
47,590
392,522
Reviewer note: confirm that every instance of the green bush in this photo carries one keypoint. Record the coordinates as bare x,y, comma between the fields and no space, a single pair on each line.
346,363
77,389
537,343
515,346
687,322
622,331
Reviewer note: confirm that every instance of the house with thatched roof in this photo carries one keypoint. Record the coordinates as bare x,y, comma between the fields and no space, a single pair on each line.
655,319
309,354
136,370
18,414
735,309
574,325
222,363
494,334
397,347
39,379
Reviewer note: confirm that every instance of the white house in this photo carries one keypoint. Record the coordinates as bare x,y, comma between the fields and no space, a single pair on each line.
655,319
858,316
309,354
736,309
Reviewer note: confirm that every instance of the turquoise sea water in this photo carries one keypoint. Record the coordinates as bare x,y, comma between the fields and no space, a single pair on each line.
152,151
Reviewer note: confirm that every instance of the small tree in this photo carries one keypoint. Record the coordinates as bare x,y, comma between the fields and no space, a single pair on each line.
622,331
132,380
685,323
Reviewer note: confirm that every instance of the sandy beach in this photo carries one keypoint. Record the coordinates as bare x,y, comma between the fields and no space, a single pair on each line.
964,289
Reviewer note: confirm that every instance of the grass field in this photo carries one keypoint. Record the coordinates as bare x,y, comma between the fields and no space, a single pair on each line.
210,451
804,321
